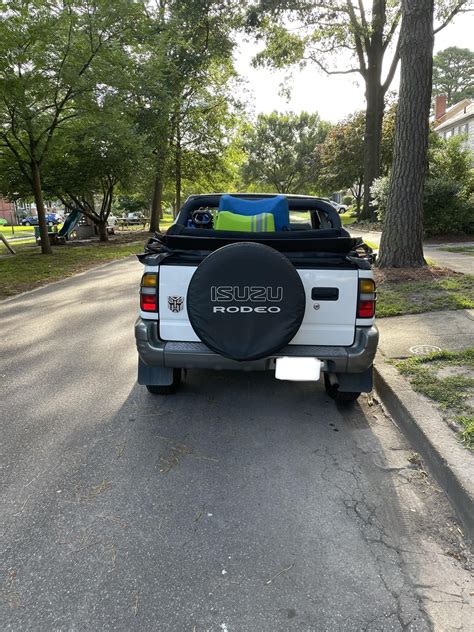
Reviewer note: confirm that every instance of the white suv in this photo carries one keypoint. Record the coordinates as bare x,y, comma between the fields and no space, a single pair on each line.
297,302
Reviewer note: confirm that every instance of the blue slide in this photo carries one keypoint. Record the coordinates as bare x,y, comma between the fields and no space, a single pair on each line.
69,225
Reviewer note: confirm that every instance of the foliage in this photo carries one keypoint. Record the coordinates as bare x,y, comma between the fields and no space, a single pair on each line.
453,74
51,54
449,188
133,203
92,157
342,38
342,156
282,152
446,210
379,193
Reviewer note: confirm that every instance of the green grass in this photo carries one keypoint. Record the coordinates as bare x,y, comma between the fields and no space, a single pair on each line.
371,244
465,250
395,298
452,392
8,231
29,268
347,219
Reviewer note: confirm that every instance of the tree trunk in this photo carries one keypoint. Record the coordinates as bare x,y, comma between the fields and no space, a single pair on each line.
178,169
156,204
402,238
102,227
38,194
374,94
372,140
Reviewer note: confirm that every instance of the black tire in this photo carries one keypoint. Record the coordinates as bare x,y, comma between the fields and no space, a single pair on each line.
155,389
26,223
343,397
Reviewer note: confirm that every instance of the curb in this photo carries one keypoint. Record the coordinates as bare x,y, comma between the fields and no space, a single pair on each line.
421,422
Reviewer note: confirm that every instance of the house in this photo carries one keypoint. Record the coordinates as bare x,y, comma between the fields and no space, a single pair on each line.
7,211
458,119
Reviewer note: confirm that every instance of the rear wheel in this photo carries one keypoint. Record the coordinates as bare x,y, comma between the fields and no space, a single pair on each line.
157,389
346,397
26,223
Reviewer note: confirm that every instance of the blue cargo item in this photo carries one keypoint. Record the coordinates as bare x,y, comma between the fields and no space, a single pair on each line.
277,206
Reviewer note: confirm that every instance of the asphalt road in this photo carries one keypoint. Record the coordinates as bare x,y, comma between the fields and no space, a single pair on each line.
240,504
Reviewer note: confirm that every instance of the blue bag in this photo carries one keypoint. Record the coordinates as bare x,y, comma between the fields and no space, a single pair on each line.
277,206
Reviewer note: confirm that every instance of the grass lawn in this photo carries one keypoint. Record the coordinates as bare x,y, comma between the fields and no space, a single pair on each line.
19,231
448,379
29,268
465,250
347,219
429,289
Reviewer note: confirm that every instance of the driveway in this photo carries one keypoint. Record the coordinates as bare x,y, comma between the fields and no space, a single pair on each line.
239,504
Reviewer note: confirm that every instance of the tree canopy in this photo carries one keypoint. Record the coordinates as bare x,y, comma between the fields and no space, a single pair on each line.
282,152
453,74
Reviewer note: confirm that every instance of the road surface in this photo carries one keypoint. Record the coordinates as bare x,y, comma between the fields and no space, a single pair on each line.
240,504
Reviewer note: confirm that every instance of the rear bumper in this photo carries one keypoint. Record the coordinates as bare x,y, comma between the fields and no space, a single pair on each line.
195,355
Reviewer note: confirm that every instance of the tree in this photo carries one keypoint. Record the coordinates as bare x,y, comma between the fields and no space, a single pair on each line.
342,157
92,158
47,51
193,51
453,74
402,238
365,38
282,152
342,154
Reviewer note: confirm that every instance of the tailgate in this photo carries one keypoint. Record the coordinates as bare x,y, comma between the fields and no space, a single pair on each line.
329,318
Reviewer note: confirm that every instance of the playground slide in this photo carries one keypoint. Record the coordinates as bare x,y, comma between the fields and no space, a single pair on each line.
70,224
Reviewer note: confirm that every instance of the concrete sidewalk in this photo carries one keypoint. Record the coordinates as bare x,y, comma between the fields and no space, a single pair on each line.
454,261
414,334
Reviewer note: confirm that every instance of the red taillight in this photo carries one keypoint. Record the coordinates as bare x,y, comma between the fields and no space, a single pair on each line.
366,300
148,302
149,292
366,309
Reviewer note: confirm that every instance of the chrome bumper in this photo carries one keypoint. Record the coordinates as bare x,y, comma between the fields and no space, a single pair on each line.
195,355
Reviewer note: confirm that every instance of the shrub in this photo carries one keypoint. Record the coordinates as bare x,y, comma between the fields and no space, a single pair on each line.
446,207
348,200
379,194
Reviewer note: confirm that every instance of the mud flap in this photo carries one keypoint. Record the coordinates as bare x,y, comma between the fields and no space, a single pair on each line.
154,375
355,382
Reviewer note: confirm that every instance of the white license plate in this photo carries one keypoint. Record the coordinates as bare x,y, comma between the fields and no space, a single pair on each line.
298,369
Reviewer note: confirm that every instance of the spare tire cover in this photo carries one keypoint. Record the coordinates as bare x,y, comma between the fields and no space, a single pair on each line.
246,301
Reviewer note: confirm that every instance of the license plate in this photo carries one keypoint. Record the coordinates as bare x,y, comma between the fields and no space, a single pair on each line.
298,369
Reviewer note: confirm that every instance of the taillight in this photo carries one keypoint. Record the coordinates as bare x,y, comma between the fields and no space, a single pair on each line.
149,292
366,300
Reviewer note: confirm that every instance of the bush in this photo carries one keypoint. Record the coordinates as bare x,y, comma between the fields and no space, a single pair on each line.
347,200
446,208
379,194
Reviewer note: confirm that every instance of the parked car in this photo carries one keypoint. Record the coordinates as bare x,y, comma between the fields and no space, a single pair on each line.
52,219
130,219
340,208
234,284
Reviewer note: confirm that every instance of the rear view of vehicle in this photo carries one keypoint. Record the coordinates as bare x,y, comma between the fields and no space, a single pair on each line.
298,299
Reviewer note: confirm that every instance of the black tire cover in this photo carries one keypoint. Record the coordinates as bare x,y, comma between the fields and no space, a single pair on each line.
246,301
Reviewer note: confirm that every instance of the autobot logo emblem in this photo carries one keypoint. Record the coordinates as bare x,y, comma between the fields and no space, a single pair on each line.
175,303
